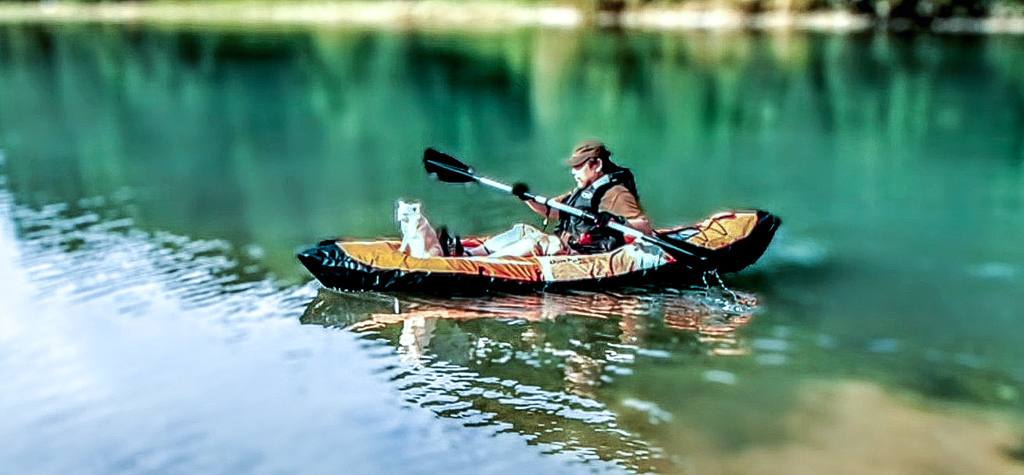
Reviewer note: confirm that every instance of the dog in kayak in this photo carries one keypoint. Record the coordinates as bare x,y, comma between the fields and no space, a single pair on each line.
418,237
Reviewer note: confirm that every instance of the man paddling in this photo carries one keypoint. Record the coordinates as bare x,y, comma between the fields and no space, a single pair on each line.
603,189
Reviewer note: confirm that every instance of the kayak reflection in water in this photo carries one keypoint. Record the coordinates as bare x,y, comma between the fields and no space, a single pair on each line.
577,334
603,189
711,315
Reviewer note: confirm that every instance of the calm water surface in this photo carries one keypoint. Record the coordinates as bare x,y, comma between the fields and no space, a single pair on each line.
154,187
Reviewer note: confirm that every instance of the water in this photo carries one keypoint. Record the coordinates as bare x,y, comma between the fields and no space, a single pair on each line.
154,187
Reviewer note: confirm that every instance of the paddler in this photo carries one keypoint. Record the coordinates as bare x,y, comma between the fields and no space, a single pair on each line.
603,189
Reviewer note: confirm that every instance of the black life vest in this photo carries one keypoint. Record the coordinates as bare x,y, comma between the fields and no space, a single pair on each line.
573,229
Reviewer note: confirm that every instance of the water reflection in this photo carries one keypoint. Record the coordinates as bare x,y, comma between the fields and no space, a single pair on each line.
539,364
642,318
282,139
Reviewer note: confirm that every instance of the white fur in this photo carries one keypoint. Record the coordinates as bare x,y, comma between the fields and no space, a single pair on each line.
417,235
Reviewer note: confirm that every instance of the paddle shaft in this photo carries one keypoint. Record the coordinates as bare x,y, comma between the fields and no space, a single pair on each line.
564,208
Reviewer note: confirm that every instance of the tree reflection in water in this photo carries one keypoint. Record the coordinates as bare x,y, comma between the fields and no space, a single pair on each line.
539,365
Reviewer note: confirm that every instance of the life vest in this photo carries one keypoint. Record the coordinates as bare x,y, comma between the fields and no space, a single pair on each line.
583,236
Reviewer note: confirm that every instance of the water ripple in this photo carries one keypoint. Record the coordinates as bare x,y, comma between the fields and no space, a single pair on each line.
536,365
124,351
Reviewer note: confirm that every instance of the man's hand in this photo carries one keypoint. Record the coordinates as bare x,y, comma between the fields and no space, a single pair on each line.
603,218
520,190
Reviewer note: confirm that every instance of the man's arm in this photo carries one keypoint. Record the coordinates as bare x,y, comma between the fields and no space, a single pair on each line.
544,210
620,202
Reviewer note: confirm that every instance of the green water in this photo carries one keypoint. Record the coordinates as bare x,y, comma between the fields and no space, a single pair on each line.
896,163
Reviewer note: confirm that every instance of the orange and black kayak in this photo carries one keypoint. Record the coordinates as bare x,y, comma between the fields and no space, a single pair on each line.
723,243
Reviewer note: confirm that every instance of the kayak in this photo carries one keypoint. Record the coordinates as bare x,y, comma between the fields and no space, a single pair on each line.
723,243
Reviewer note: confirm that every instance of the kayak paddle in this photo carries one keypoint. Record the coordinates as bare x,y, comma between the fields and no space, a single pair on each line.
450,170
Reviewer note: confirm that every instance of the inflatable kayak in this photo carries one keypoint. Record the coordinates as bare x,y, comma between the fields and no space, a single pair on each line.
723,243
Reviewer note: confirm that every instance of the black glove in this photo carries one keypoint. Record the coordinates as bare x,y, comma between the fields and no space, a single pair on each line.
520,190
603,218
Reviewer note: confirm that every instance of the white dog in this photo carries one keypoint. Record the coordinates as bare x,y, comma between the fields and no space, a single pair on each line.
417,235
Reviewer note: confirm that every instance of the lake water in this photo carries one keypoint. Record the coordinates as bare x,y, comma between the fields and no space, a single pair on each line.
155,185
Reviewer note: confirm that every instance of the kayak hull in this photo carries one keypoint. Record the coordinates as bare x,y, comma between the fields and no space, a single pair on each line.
723,243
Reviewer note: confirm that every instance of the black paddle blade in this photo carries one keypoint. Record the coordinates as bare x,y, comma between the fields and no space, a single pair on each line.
446,167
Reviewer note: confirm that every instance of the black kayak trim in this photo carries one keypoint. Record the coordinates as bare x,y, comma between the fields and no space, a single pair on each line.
335,269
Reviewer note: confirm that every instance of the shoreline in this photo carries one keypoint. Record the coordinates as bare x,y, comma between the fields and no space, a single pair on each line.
478,16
